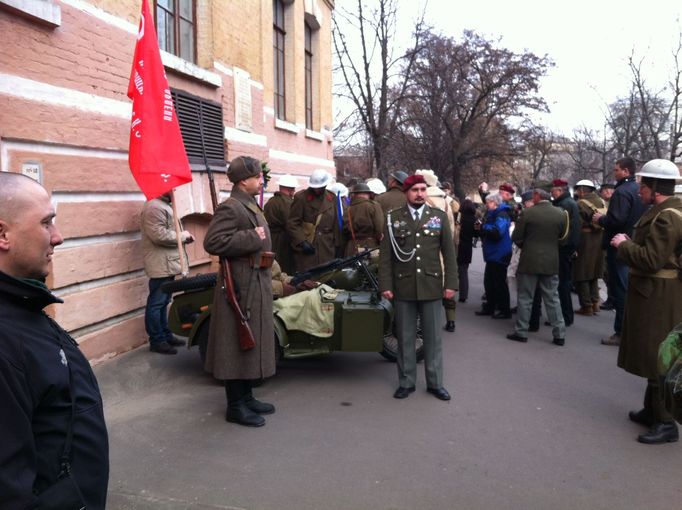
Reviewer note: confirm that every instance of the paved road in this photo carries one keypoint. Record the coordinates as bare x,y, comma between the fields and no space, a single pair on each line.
530,426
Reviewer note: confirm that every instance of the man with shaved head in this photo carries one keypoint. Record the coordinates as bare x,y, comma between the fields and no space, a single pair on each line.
52,425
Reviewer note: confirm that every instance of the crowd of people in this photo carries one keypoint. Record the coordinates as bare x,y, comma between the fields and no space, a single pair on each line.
544,245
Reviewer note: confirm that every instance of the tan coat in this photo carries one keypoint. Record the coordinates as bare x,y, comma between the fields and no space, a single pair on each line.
306,209
589,264
159,240
654,304
277,213
368,225
231,234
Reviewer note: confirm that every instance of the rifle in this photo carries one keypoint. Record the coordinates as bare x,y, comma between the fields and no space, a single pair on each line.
246,338
334,265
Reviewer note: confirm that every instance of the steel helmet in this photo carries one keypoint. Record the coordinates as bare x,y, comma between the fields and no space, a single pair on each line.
319,179
376,186
399,176
360,188
586,182
288,181
660,169
339,189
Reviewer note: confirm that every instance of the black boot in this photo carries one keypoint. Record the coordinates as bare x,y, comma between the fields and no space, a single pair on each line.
660,433
256,405
237,410
450,326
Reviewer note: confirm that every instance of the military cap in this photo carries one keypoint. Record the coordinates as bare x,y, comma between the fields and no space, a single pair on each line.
412,180
242,168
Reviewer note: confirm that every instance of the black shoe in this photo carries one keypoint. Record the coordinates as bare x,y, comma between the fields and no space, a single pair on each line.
514,310
403,392
238,412
175,342
558,341
660,433
440,393
643,417
462,300
450,326
547,323
500,315
259,407
607,305
483,312
533,329
517,338
162,348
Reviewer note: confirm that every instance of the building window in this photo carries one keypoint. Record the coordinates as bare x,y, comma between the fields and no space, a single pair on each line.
175,27
200,118
279,35
308,77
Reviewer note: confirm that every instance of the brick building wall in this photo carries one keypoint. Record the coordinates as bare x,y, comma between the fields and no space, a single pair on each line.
64,70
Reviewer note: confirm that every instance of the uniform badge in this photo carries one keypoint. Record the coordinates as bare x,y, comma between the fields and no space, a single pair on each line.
396,224
434,223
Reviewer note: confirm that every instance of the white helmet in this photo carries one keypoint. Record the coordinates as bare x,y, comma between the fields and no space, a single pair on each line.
288,181
319,179
660,169
376,186
339,188
585,182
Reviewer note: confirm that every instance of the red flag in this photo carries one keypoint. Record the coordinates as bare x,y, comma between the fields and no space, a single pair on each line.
156,155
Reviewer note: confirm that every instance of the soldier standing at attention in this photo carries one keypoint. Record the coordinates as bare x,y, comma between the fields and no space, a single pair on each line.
394,197
277,213
363,221
588,266
410,274
313,223
239,232
654,299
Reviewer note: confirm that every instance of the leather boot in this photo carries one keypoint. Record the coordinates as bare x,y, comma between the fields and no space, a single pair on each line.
256,405
450,326
585,310
237,411
660,433
595,308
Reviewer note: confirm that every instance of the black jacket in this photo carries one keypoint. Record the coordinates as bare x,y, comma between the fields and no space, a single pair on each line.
568,204
625,209
35,356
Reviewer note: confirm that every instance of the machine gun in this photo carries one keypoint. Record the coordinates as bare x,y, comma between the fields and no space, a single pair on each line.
336,264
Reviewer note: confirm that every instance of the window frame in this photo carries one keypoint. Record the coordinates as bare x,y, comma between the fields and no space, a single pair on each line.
176,22
279,86
308,75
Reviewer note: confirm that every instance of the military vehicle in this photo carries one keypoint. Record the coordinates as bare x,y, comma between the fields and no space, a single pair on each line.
363,319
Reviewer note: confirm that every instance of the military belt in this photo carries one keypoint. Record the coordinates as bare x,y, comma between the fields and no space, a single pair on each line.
668,274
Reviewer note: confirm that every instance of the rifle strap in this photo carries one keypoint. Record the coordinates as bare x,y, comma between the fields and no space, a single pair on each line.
352,231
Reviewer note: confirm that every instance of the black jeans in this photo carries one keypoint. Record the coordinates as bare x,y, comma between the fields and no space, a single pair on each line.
496,288
463,275
565,283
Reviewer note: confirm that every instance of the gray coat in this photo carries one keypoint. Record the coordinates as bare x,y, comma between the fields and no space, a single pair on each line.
538,232
231,234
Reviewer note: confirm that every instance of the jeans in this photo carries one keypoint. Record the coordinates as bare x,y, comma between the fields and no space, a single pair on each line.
618,285
155,313
496,288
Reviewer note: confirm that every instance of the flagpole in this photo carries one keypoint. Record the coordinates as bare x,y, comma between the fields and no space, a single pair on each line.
178,236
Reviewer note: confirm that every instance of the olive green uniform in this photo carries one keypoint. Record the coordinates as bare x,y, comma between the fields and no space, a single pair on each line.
391,199
277,213
588,267
363,224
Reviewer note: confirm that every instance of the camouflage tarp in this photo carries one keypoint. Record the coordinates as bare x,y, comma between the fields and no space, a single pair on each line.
670,371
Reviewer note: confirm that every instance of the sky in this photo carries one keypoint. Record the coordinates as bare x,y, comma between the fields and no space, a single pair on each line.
589,42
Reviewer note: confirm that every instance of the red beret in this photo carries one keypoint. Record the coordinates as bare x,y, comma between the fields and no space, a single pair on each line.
557,183
412,180
507,187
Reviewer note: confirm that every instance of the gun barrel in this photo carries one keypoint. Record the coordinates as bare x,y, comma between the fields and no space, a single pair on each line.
328,267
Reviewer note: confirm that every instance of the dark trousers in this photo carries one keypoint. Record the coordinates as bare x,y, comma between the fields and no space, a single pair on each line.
618,285
156,311
463,275
565,284
496,288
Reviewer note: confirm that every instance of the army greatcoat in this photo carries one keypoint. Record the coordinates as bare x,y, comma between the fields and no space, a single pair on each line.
391,199
367,221
231,234
589,264
277,213
319,212
654,300
422,278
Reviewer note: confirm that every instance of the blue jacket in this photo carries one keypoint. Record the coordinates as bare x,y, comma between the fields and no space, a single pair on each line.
497,243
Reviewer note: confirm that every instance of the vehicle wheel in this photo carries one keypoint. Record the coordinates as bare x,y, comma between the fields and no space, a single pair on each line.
199,282
201,339
390,350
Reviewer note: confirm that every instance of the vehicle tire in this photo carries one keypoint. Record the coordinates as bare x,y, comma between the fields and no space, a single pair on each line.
390,350
201,339
199,282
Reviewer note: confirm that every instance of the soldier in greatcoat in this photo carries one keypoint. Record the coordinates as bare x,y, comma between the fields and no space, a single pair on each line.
239,232
313,224
654,299
277,213
588,266
363,221
410,274
394,197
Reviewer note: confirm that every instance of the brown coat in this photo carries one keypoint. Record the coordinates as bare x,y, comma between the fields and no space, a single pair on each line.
306,208
231,234
277,213
368,225
589,264
159,240
654,304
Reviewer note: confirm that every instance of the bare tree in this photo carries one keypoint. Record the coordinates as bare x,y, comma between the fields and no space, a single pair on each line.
372,78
